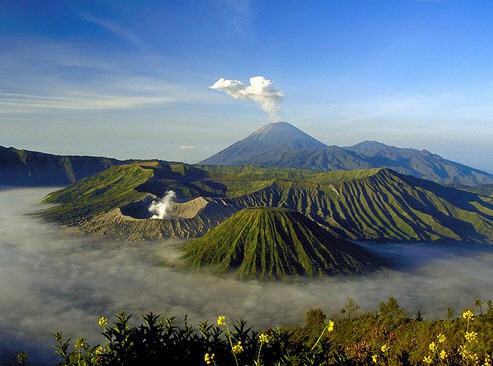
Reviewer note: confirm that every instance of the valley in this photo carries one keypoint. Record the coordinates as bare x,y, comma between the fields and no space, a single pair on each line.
52,280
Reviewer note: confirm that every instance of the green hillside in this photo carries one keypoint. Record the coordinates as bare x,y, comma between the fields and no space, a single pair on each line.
484,189
93,195
271,242
384,206
368,204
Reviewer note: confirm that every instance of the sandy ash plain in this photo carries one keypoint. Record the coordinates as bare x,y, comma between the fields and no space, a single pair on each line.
52,280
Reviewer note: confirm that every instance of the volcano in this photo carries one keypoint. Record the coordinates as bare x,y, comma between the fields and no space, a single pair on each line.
282,145
274,139
266,242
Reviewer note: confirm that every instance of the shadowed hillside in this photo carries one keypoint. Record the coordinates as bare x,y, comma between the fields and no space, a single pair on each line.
276,145
272,139
31,168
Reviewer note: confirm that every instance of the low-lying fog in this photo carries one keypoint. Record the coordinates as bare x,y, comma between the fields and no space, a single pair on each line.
53,281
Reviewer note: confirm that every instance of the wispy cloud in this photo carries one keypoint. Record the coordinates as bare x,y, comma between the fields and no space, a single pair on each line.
12,102
113,27
40,75
187,146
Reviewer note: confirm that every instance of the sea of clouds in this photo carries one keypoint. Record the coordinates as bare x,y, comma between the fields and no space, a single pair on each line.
51,279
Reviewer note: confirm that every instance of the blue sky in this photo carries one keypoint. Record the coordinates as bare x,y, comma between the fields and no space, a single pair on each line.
131,78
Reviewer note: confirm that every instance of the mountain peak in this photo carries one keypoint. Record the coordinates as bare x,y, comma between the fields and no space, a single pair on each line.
284,132
281,144
273,139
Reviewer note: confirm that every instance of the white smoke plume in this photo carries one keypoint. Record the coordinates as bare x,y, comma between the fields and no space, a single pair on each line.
164,207
260,91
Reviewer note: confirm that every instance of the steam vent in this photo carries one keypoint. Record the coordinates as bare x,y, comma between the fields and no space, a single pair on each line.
270,242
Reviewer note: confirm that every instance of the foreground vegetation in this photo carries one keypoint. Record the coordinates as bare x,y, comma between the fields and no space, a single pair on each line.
386,337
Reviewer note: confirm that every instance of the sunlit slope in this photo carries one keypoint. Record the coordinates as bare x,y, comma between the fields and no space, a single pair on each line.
98,193
114,203
368,204
272,242
121,185
384,206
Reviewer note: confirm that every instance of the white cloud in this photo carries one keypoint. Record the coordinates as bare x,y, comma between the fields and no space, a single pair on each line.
259,91
187,146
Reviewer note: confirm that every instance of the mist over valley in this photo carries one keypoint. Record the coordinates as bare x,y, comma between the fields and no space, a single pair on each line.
53,279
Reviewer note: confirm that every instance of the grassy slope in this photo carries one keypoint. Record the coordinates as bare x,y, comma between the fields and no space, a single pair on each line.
268,242
484,190
421,164
384,205
90,196
373,204
244,180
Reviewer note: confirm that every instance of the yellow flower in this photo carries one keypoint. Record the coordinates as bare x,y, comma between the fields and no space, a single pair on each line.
466,354
237,348
221,320
209,358
263,338
103,322
384,348
487,360
463,351
374,358
470,336
21,357
468,315
443,355
432,347
79,343
330,326
441,338
99,350
427,360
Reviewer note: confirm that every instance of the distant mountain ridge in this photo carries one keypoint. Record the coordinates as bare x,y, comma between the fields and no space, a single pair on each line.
280,144
275,145
420,163
31,168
